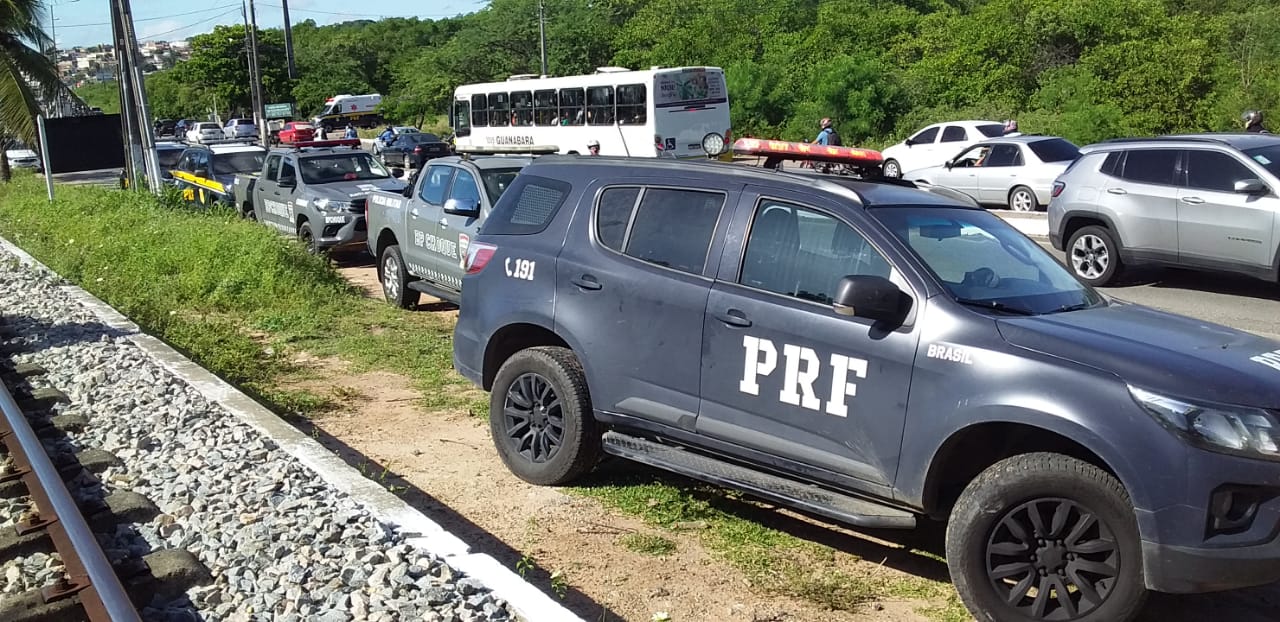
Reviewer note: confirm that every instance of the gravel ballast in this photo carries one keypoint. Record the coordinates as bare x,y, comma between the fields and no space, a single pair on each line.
279,542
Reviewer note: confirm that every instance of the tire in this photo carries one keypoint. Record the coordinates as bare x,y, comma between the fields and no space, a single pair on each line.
1097,260
527,376
247,212
1022,199
308,237
992,528
892,168
395,279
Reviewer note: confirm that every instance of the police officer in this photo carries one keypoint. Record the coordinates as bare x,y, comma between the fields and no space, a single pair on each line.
1253,122
351,132
593,147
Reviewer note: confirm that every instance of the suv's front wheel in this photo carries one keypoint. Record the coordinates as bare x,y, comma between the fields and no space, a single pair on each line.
540,417
1093,255
1046,537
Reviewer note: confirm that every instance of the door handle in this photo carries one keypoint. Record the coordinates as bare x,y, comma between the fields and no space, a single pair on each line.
733,317
413,213
587,282
1191,200
1117,191
444,222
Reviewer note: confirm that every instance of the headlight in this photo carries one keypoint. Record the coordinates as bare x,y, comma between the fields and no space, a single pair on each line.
713,144
321,204
1239,430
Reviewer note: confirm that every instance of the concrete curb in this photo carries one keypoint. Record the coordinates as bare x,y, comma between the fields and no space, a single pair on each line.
529,602
1032,224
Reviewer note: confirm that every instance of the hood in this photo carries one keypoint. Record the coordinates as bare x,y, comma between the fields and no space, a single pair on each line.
1159,351
349,190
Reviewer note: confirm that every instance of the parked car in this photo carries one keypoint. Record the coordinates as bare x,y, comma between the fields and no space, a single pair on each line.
21,157
204,132
168,154
181,127
419,236
165,127
296,132
1016,171
1204,201
205,173
316,194
934,144
411,150
240,128
879,356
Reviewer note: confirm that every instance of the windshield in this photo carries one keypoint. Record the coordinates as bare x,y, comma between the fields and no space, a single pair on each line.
496,181
1055,150
1268,157
345,167
982,260
169,157
991,130
238,162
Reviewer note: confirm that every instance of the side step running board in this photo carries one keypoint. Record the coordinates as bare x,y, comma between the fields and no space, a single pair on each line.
834,505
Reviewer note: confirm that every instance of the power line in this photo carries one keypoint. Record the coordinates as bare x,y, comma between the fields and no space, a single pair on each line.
203,21
360,15
152,19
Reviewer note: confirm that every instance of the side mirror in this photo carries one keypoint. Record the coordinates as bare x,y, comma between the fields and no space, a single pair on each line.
397,172
871,297
462,207
908,142
288,182
949,164
1251,186
407,191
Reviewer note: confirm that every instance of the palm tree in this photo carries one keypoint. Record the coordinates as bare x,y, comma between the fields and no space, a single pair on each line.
27,76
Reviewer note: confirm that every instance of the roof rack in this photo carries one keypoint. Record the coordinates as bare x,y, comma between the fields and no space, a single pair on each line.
1166,138
466,151
228,141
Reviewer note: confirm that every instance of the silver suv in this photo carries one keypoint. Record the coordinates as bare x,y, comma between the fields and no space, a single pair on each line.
1205,201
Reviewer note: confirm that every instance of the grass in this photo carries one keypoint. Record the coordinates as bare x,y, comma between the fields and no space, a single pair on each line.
240,299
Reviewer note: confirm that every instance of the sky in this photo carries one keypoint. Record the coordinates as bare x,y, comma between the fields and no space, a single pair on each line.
88,22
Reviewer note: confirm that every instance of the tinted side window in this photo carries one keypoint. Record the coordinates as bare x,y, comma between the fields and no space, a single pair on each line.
803,253
600,105
544,107
273,168
479,110
287,171
673,228
613,214
499,109
926,136
464,187
435,184
1213,170
527,207
1111,166
631,104
953,134
571,106
522,108
1150,166
1004,155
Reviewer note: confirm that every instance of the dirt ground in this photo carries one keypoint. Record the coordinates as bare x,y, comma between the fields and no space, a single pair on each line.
447,460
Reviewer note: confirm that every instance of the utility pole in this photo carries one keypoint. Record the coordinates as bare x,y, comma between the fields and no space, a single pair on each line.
542,34
259,113
288,41
151,161
133,161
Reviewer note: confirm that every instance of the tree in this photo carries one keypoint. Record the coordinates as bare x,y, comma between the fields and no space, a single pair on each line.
27,76
219,65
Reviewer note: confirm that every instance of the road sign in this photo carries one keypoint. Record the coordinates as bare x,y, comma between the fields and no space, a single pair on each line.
279,111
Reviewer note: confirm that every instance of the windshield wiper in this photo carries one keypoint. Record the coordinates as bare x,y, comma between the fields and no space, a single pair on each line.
1075,307
995,306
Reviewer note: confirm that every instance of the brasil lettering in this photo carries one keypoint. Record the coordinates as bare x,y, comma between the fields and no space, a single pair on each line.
1270,359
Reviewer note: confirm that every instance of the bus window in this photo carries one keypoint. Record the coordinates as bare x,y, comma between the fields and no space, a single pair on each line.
631,104
461,118
479,111
544,108
522,108
499,109
571,110
600,105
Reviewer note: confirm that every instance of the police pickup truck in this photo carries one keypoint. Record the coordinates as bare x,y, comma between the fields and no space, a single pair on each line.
315,191
419,236
881,356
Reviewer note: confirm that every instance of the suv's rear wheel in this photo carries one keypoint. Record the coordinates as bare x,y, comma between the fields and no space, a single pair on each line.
395,279
1093,255
1046,537
540,417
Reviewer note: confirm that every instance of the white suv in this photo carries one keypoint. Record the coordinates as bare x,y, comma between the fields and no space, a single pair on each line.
240,128
935,144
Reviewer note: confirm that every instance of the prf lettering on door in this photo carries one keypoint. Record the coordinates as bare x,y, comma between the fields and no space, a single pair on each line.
801,368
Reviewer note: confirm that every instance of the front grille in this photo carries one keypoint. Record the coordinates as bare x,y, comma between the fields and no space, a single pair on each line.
356,206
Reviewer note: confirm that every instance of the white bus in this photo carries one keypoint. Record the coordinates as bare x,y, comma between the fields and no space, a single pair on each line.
650,113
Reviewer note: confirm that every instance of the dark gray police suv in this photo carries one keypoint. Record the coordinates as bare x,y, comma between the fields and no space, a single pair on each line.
877,355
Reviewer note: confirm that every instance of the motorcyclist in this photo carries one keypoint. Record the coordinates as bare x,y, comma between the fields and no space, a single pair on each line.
1011,128
1253,122
827,136
385,138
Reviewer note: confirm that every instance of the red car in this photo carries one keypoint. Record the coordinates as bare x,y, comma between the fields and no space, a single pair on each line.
297,131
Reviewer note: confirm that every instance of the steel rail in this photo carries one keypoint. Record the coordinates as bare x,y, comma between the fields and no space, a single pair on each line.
89,573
